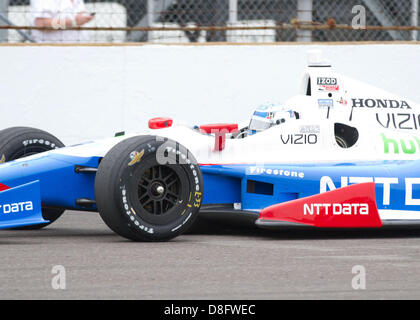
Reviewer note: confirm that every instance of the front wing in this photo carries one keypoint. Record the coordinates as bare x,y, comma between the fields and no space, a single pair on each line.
20,206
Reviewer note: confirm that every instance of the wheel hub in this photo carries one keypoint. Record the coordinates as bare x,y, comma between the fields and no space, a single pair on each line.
159,189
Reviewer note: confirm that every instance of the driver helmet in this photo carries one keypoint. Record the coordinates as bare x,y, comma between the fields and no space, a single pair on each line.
268,115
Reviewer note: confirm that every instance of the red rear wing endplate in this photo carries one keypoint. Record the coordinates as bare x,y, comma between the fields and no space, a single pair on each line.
219,130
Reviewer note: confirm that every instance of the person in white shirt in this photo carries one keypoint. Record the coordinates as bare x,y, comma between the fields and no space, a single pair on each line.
59,15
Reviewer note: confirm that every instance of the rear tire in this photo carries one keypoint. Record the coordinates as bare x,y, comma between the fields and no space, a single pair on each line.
19,142
148,189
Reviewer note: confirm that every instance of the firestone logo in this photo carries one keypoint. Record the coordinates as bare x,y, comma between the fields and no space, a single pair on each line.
275,172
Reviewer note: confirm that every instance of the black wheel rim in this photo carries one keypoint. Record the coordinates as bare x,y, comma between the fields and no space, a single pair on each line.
142,182
159,189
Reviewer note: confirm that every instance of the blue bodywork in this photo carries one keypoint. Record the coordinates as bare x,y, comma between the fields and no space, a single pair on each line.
272,184
59,183
254,187
21,206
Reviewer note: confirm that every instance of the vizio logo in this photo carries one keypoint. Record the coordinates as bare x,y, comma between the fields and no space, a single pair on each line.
299,138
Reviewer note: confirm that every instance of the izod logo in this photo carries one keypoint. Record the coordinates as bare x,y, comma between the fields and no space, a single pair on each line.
326,81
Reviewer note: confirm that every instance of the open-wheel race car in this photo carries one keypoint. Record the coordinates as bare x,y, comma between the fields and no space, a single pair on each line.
340,154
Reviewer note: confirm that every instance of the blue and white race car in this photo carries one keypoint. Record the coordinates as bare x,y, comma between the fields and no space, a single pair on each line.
340,154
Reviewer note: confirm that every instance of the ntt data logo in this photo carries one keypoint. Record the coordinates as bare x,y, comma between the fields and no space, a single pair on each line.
336,209
16,207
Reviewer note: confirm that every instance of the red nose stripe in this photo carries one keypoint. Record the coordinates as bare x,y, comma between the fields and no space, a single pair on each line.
3,187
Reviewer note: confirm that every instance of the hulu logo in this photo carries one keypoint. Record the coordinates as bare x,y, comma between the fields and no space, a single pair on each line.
407,146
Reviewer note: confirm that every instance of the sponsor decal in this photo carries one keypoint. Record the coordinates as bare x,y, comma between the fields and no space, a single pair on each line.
299,138
335,209
325,103
310,129
353,206
407,146
135,157
275,172
329,88
131,213
16,207
342,101
327,184
326,81
403,121
39,141
380,104
328,84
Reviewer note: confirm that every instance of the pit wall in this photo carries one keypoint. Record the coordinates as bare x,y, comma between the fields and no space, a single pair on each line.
87,92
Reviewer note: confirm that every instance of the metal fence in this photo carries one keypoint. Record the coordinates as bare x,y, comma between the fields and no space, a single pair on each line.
227,20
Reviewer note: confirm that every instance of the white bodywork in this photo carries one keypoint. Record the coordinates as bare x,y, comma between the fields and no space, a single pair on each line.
325,98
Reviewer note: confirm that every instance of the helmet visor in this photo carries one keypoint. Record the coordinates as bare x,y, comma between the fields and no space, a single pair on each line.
260,121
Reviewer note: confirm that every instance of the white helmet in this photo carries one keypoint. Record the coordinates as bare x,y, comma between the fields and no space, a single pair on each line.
268,115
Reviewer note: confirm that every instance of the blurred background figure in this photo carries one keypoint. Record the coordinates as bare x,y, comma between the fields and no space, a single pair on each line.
60,15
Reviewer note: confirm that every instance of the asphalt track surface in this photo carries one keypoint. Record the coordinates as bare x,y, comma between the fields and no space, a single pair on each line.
215,261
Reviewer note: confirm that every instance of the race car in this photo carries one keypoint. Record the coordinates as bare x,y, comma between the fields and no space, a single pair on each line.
340,154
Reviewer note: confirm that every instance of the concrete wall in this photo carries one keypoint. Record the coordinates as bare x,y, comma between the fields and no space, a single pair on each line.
86,92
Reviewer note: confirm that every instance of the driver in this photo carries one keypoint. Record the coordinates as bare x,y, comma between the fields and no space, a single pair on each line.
268,115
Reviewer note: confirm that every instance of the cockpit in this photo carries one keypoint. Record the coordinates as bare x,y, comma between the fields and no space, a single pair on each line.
265,117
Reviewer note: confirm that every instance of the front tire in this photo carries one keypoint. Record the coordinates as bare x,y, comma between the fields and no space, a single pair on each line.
19,142
148,189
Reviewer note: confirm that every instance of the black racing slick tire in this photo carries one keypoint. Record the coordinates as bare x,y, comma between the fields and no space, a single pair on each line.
148,188
19,142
